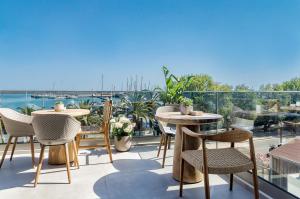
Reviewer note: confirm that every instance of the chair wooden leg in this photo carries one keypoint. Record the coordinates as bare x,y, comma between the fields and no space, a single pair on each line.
205,171
169,142
165,150
181,177
5,150
206,185
67,161
106,137
32,151
160,144
78,137
231,182
75,153
13,149
39,167
255,183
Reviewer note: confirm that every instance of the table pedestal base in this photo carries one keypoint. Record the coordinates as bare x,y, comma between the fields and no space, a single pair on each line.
191,175
57,154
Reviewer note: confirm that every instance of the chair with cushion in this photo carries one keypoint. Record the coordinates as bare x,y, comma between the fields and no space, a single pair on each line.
52,130
167,131
103,130
219,161
16,125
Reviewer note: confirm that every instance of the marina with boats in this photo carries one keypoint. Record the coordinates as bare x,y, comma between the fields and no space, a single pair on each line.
46,99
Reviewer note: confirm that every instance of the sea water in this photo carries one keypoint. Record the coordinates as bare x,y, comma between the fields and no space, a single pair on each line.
17,101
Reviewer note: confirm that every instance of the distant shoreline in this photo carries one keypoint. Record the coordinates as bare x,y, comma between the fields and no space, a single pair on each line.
55,92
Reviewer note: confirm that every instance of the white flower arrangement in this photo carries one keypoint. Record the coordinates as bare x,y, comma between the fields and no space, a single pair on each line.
121,126
124,120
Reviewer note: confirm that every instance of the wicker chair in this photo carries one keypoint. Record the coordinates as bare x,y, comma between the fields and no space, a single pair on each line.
1,131
103,130
16,125
167,132
52,130
219,161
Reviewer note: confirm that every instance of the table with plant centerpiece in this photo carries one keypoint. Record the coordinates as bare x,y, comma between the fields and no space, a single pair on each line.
191,175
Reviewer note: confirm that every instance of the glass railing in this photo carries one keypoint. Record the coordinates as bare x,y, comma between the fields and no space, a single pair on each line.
274,118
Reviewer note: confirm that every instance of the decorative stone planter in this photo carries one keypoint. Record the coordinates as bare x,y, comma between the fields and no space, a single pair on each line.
124,144
59,107
185,110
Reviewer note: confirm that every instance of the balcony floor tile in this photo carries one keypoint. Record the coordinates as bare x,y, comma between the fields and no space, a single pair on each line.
136,174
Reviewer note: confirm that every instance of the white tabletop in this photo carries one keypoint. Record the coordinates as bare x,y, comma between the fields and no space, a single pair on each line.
71,112
178,118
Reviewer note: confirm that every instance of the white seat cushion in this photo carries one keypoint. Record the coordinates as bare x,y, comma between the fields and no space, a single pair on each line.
169,130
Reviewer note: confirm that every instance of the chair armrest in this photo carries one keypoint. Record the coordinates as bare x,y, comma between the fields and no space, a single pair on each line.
191,133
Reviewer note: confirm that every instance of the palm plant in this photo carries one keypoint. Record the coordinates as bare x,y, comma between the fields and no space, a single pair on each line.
93,119
139,107
27,110
86,104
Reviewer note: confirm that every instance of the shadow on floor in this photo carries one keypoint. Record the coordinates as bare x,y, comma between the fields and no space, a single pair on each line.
19,172
133,180
14,173
144,179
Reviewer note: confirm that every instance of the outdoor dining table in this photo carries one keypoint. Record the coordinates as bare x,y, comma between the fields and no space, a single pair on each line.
191,175
56,154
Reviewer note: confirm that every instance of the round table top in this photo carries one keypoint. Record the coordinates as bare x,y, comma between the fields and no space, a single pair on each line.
290,108
178,118
71,112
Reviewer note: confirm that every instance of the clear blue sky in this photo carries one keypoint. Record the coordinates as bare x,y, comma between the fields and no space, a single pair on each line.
69,44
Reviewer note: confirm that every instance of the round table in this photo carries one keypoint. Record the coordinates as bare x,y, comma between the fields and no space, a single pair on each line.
290,108
71,112
56,154
191,175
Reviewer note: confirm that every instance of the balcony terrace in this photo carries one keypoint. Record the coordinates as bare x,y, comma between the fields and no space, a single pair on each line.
138,173
133,174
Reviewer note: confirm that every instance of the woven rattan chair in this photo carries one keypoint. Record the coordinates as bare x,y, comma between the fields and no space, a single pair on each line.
1,131
52,130
219,161
167,132
16,125
103,130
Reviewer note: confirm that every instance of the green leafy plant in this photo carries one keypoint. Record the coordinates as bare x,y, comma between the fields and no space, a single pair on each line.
27,110
59,102
85,104
139,106
174,87
186,101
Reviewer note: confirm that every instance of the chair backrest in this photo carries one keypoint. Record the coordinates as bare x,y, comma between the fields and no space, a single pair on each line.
171,108
55,127
107,112
15,123
236,135
164,109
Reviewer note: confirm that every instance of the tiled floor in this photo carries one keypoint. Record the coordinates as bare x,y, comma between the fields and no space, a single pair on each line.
134,175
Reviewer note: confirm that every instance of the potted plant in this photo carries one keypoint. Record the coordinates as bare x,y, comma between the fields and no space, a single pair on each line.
122,130
59,106
186,106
